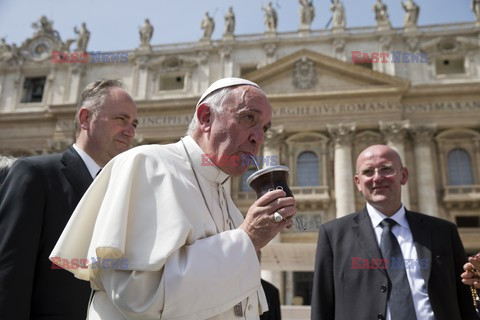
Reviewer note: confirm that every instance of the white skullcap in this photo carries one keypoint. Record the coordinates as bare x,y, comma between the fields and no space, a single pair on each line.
225,83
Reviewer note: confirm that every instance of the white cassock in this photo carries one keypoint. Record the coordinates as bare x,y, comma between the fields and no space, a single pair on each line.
147,210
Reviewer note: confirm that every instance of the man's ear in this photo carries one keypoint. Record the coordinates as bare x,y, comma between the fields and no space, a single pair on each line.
84,118
356,179
404,178
205,117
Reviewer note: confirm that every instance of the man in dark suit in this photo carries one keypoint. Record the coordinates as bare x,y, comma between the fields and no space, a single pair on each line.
37,199
357,276
273,300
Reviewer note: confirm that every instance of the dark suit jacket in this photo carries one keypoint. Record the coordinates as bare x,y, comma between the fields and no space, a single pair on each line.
36,201
343,292
273,299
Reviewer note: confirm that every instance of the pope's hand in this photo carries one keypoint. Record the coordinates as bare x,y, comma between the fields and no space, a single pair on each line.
471,276
260,223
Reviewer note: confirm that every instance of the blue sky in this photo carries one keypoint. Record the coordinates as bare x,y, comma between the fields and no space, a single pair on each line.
114,25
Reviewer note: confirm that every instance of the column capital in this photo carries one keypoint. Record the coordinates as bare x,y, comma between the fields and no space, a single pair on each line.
394,131
423,134
273,137
342,133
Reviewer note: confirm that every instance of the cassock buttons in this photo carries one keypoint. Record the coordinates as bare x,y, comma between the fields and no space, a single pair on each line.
383,288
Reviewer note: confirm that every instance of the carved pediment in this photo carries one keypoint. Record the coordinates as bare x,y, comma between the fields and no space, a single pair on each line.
449,45
172,63
308,71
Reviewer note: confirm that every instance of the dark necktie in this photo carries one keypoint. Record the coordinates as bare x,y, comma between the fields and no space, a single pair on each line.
400,298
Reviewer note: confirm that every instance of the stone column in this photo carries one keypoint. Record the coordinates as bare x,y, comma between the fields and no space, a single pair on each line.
140,78
271,147
203,71
387,67
289,288
226,60
271,152
395,133
72,86
342,135
425,176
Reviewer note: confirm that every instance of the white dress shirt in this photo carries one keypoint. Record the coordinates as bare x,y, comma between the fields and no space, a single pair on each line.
92,166
413,266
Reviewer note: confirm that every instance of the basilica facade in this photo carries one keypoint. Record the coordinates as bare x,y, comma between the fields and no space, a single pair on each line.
333,92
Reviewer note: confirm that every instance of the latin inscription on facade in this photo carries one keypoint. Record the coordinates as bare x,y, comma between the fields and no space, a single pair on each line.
322,109
167,120
367,107
443,106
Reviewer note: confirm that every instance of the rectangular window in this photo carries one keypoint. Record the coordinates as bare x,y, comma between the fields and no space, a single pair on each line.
33,89
367,65
303,285
450,65
468,221
247,69
176,82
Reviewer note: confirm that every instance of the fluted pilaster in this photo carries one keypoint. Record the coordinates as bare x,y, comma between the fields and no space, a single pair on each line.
425,176
342,135
394,133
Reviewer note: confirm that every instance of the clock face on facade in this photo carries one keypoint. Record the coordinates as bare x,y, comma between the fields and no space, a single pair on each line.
40,48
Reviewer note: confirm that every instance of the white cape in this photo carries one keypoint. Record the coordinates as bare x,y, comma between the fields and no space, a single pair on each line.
146,209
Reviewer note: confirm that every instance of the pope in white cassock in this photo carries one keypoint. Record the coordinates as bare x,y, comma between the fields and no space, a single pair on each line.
162,236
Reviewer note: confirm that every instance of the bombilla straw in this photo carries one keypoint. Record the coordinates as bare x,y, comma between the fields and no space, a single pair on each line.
254,161
297,221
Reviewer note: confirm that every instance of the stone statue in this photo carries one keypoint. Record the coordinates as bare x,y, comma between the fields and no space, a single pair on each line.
208,25
338,18
271,18
411,14
476,9
9,54
381,15
307,14
83,35
45,26
229,23
146,33
4,47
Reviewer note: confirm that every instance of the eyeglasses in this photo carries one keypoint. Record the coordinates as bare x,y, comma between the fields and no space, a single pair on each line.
387,171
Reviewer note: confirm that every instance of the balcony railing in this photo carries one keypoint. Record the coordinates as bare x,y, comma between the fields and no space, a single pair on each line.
311,193
300,193
462,193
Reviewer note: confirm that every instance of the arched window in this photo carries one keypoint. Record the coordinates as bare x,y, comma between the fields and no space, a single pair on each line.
248,173
459,168
307,169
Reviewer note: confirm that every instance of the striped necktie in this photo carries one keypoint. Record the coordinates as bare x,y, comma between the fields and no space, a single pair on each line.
400,298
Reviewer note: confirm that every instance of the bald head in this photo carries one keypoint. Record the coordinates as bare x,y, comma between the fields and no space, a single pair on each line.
379,150
380,176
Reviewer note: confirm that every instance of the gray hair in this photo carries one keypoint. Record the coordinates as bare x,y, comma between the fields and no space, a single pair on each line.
215,101
94,96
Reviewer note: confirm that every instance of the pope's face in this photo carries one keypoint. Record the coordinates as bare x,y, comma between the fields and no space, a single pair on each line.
238,131
380,177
